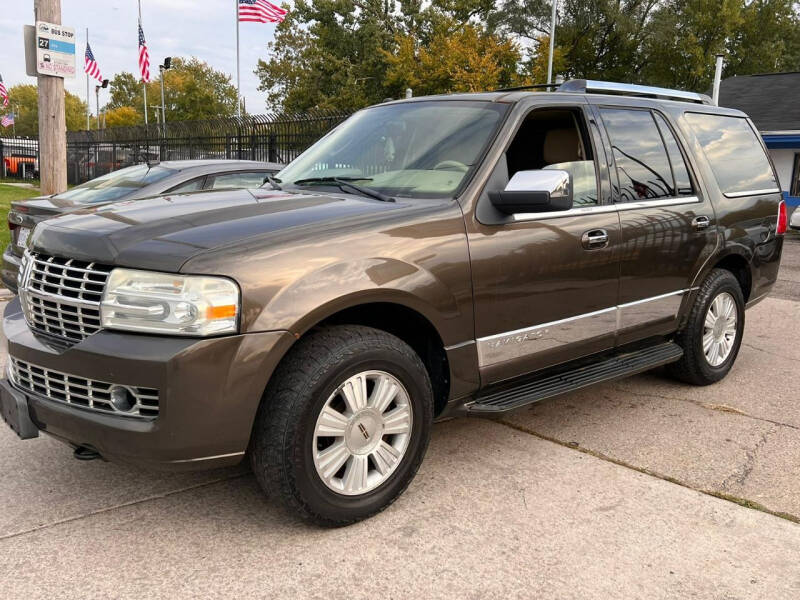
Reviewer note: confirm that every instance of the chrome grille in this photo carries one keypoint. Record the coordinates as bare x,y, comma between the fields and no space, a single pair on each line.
78,391
61,296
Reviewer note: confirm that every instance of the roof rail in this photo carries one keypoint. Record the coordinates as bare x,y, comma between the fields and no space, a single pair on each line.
589,86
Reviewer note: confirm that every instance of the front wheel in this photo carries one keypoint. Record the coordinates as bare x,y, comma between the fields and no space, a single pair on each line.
713,332
344,424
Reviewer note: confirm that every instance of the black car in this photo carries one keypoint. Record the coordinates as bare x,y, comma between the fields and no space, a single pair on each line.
131,183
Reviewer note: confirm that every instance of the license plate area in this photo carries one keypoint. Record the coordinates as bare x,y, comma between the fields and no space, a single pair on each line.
23,233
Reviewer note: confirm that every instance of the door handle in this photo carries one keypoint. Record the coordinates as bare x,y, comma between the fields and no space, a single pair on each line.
594,239
701,222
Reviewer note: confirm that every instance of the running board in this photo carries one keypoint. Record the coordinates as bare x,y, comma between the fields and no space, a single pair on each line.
615,367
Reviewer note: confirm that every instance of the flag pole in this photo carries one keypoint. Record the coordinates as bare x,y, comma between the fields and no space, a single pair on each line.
88,102
238,69
144,83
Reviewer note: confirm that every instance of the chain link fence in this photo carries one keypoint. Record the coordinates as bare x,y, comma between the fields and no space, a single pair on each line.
272,137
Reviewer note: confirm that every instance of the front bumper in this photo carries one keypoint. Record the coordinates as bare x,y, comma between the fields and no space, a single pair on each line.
10,268
209,391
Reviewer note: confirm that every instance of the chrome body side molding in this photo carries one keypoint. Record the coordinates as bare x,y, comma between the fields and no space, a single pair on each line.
510,345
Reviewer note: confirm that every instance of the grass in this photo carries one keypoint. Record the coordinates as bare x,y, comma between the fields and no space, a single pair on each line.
8,194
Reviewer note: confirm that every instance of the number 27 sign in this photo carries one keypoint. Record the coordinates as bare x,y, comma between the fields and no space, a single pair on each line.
55,50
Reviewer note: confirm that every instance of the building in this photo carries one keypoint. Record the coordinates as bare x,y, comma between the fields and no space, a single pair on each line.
773,102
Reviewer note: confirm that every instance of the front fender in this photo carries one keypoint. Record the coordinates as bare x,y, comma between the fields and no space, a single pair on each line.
323,292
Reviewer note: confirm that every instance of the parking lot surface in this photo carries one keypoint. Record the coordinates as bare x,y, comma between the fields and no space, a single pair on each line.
640,488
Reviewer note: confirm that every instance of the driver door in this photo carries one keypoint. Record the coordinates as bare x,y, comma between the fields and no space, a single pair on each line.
546,284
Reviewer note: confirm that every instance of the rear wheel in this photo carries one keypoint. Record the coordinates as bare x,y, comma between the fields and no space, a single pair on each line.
713,333
344,424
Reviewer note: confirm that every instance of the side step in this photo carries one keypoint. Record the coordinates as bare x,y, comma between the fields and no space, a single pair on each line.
611,368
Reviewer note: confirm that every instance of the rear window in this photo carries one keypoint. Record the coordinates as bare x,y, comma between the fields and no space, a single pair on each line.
732,148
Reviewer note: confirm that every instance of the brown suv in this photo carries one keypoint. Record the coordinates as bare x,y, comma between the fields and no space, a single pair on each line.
457,255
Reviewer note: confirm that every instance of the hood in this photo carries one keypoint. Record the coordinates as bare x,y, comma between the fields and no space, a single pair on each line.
163,233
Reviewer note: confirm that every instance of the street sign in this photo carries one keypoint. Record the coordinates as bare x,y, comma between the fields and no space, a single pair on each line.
55,50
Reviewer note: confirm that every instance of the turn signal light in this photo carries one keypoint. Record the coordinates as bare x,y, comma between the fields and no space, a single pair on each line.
783,219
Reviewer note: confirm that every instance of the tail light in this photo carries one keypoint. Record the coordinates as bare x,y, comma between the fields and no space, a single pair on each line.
783,219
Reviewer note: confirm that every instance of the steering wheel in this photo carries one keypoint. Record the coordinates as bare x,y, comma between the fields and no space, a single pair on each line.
451,165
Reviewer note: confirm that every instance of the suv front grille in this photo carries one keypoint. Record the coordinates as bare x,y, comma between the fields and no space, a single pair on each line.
61,296
79,391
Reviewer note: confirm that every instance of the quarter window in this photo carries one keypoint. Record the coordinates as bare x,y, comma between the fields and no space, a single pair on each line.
643,166
238,180
732,148
795,189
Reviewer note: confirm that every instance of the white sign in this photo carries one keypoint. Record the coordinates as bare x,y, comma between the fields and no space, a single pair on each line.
55,50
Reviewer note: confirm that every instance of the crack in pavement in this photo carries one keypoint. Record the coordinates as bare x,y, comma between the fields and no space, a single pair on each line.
777,355
708,406
107,509
721,495
742,474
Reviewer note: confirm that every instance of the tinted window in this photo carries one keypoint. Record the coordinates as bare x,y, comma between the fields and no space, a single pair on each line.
642,165
734,152
683,183
190,186
238,180
116,185
795,189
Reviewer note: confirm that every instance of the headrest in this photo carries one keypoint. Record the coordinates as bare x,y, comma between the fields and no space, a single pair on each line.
562,145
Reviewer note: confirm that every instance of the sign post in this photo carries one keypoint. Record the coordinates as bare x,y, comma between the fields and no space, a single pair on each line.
55,59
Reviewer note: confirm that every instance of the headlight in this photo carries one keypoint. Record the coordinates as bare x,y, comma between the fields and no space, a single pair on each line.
194,305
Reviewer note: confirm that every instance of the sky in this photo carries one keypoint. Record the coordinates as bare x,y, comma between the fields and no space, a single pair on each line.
202,28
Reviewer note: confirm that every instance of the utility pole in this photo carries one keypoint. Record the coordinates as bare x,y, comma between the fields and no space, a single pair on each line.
52,119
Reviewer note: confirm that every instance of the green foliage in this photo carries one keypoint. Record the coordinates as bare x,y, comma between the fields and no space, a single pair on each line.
24,99
346,54
192,90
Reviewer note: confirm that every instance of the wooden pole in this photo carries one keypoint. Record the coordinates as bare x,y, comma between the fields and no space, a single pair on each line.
52,119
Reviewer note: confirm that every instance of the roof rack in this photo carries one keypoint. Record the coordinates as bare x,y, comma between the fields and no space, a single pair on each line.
589,86
533,86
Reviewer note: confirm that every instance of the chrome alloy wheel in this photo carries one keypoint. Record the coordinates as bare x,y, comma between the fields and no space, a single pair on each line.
719,329
362,433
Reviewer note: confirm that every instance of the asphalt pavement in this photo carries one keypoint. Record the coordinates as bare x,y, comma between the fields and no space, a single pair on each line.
641,488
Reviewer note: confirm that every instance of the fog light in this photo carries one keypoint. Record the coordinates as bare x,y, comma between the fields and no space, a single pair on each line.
122,399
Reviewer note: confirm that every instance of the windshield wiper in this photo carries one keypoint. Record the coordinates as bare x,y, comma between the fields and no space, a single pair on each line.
274,183
347,182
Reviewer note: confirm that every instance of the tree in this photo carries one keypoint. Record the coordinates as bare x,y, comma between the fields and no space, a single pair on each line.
123,116
456,59
192,90
24,99
345,54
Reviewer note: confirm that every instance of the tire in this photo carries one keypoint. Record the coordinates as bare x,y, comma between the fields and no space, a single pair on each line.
696,367
324,371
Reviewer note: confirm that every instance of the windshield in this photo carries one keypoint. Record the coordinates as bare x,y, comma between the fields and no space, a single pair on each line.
115,185
415,149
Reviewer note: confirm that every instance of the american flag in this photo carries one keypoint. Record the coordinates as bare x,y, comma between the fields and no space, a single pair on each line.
90,64
7,120
260,11
3,92
144,57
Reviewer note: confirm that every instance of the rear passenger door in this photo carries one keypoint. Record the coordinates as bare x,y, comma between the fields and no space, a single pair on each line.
667,223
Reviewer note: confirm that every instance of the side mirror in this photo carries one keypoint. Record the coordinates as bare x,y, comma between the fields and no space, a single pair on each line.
535,191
